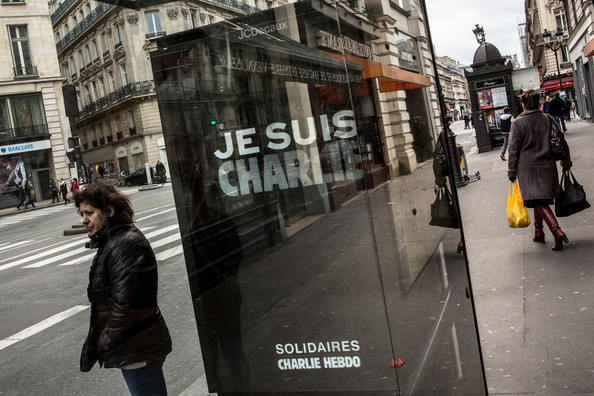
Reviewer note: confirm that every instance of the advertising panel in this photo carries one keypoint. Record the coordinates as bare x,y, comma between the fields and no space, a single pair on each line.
293,292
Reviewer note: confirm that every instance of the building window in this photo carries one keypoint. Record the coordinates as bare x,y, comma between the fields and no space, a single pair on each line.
94,90
104,42
88,54
22,115
124,75
13,1
72,66
94,49
88,99
101,87
193,22
211,18
116,33
153,24
564,54
81,60
110,81
560,19
21,54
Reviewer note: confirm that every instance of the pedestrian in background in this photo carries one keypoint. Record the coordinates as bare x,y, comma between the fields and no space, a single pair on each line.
74,187
557,110
160,168
506,122
567,103
54,190
64,191
531,161
466,121
21,196
127,330
29,192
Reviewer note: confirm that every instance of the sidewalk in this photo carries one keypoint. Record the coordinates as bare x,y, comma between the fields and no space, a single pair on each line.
535,307
38,205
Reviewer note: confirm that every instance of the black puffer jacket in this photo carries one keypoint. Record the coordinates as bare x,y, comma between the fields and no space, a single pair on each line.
122,290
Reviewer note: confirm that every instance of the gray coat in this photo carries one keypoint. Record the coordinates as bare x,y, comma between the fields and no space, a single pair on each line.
529,155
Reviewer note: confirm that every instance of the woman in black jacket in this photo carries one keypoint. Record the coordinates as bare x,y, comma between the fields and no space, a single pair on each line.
127,330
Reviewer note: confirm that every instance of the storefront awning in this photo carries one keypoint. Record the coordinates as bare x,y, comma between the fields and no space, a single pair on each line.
551,85
589,48
390,78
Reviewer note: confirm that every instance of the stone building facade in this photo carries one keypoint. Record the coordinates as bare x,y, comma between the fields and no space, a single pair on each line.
549,15
33,126
580,44
103,50
454,86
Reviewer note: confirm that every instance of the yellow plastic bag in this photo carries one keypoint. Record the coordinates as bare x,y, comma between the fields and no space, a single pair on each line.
517,214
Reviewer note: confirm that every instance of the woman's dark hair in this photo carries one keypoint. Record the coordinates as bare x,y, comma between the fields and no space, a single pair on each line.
102,195
531,99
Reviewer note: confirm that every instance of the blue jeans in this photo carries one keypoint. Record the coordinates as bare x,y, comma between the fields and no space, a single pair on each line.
505,139
29,200
146,381
560,122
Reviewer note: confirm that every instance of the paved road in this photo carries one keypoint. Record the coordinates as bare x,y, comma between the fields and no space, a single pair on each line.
44,310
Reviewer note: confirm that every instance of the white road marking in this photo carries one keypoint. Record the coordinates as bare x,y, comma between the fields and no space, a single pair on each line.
59,257
156,214
44,324
13,245
165,241
170,253
41,255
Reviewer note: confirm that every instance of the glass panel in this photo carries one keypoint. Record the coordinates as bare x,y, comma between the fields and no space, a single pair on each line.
309,270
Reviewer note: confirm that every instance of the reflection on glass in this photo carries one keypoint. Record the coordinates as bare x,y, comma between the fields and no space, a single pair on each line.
308,272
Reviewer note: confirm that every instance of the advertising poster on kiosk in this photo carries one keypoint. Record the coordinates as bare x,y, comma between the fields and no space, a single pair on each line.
12,174
303,279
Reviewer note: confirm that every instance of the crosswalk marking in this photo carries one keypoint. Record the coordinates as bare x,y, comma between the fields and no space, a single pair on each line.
44,324
156,214
41,255
169,239
28,253
7,246
170,253
10,220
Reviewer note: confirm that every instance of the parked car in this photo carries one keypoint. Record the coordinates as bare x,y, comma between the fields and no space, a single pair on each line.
138,178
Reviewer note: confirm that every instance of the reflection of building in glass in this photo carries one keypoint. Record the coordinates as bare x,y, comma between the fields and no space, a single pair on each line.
103,51
32,125
454,86
282,128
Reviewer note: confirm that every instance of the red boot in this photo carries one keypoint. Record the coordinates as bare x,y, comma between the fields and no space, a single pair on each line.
538,232
549,218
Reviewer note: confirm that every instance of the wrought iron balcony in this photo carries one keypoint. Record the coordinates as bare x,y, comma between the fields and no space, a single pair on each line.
127,91
25,71
101,9
61,9
155,34
23,132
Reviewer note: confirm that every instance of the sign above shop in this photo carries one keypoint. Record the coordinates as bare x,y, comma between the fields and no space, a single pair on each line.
136,148
25,147
342,43
490,83
121,152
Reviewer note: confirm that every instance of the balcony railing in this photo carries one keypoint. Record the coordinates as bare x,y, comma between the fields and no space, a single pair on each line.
155,34
61,9
127,91
25,71
24,131
101,9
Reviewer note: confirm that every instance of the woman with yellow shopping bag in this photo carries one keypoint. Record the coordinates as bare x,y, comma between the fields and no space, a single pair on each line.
531,158
517,214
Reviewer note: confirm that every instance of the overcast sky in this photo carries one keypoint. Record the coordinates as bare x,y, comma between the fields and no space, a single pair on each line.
452,22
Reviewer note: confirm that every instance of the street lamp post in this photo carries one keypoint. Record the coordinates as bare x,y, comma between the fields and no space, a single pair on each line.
554,46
